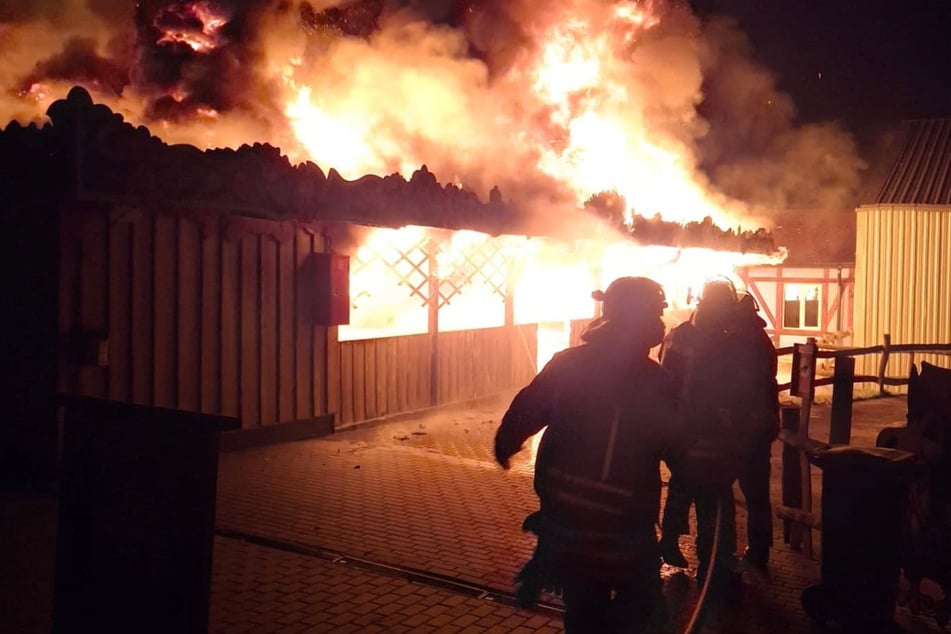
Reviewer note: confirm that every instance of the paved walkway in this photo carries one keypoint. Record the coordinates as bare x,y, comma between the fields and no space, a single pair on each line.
404,526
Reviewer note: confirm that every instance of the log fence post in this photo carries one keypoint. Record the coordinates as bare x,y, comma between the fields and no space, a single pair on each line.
883,364
843,379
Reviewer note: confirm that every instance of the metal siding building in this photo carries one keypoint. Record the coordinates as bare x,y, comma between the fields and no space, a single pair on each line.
902,260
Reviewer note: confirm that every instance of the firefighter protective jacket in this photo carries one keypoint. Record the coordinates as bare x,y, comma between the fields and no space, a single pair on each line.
611,419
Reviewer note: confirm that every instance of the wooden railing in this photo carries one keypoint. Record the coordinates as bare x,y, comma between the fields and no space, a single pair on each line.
828,351
798,446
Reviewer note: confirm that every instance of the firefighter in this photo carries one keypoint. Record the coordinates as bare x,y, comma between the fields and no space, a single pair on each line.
724,367
610,416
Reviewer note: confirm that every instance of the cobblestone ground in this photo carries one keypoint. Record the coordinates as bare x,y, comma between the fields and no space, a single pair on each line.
265,590
424,493
419,494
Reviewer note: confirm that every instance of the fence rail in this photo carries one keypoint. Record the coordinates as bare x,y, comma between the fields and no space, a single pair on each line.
886,349
799,448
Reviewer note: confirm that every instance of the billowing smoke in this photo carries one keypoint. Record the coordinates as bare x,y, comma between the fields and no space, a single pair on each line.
753,150
552,102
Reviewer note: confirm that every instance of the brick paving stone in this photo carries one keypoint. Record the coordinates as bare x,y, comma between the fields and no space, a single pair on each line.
436,502
392,607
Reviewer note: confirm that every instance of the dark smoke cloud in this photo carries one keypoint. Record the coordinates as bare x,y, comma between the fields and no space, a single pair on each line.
114,12
178,80
754,149
79,62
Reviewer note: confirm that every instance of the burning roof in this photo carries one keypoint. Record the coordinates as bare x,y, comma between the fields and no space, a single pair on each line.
553,103
109,160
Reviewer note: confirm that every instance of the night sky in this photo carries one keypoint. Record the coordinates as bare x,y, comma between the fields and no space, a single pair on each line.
866,64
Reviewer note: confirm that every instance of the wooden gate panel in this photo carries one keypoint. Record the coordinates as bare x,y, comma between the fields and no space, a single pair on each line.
250,332
189,316
141,329
93,296
120,310
211,376
165,303
286,334
267,333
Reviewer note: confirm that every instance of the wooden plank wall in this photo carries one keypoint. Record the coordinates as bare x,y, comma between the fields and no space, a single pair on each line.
392,375
213,316
380,377
474,363
216,316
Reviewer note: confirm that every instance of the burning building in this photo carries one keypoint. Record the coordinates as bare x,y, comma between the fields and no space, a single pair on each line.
174,256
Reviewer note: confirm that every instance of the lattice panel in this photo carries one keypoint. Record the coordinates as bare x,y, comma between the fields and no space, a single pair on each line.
479,262
408,268
482,261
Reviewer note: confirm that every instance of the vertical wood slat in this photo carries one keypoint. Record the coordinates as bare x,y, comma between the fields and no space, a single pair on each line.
69,276
268,331
250,358
211,324
346,383
383,377
370,379
328,385
413,372
405,376
358,378
189,316
142,312
93,294
392,371
165,336
327,371
447,368
120,311
231,328
424,395
441,373
286,332
304,326
473,360
462,379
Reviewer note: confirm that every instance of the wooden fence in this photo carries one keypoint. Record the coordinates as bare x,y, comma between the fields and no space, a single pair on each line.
887,350
392,375
799,447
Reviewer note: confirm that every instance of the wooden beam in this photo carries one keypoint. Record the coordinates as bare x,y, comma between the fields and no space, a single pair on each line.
798,516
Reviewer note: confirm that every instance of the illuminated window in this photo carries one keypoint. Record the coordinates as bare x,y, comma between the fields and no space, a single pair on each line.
801,306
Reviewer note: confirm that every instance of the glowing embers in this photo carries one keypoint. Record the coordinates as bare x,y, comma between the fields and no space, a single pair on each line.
198,25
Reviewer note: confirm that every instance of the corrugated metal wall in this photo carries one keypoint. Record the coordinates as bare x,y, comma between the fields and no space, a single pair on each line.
902,282
211,315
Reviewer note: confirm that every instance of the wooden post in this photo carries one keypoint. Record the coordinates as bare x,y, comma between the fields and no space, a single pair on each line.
511,279
887,344
840,427
807,376
791,480
432,250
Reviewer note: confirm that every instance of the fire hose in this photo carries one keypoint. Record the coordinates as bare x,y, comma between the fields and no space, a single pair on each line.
699,612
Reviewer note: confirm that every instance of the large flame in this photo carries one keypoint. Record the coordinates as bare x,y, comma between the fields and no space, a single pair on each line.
564,101
584,105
